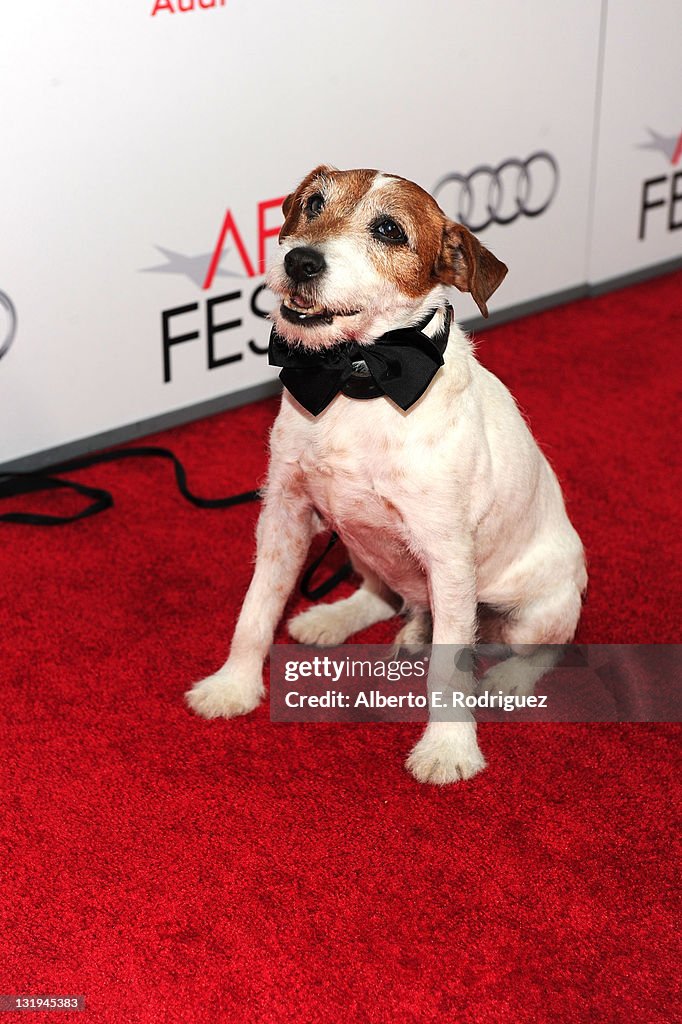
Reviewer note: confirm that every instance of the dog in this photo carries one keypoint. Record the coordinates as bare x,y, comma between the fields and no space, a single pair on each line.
444,501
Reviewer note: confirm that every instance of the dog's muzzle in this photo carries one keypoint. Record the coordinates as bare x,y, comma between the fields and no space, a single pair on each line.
303,263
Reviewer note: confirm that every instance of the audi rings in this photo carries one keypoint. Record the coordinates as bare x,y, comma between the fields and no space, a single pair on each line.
8,323
499,195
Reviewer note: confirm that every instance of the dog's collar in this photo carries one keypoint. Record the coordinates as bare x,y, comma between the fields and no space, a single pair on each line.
400,364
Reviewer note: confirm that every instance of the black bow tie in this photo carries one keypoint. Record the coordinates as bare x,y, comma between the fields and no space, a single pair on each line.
400,364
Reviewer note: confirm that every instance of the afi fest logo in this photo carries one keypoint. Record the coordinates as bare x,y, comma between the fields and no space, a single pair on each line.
665,190
184,6
210,318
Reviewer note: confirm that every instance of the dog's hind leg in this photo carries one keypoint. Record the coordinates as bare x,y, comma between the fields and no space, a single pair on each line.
416,632
536,634
329,624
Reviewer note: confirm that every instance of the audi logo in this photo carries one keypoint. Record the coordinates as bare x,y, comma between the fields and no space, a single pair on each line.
499,195
8,323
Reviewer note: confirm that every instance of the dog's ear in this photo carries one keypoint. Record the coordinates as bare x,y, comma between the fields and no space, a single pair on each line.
467,264
290,211
290,208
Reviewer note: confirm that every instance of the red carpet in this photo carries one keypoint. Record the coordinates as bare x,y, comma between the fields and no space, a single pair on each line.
173,869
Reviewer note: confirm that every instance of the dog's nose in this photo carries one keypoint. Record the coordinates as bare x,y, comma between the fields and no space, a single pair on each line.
303,263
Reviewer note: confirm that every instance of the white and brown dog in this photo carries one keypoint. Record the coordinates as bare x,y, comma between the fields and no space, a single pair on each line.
445,504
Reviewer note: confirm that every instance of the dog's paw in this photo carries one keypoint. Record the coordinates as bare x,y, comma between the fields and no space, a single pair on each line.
225,695
441,757
412,637
513,676
324,625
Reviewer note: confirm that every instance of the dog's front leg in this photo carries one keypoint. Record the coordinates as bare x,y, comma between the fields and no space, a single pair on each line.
448,750
283,536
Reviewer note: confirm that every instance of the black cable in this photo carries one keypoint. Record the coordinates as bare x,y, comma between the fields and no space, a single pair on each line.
341,574
16,484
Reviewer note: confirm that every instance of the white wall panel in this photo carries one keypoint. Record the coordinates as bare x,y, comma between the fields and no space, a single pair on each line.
638,189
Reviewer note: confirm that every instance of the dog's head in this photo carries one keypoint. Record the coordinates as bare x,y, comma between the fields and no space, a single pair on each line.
362,253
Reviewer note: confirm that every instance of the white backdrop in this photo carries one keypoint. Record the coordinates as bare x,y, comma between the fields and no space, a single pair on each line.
136,134
638,194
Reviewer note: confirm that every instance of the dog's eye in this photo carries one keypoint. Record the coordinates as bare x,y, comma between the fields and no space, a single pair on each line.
387,230
314,205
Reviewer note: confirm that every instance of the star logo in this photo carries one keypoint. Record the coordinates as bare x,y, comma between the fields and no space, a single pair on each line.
193,267
669,145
